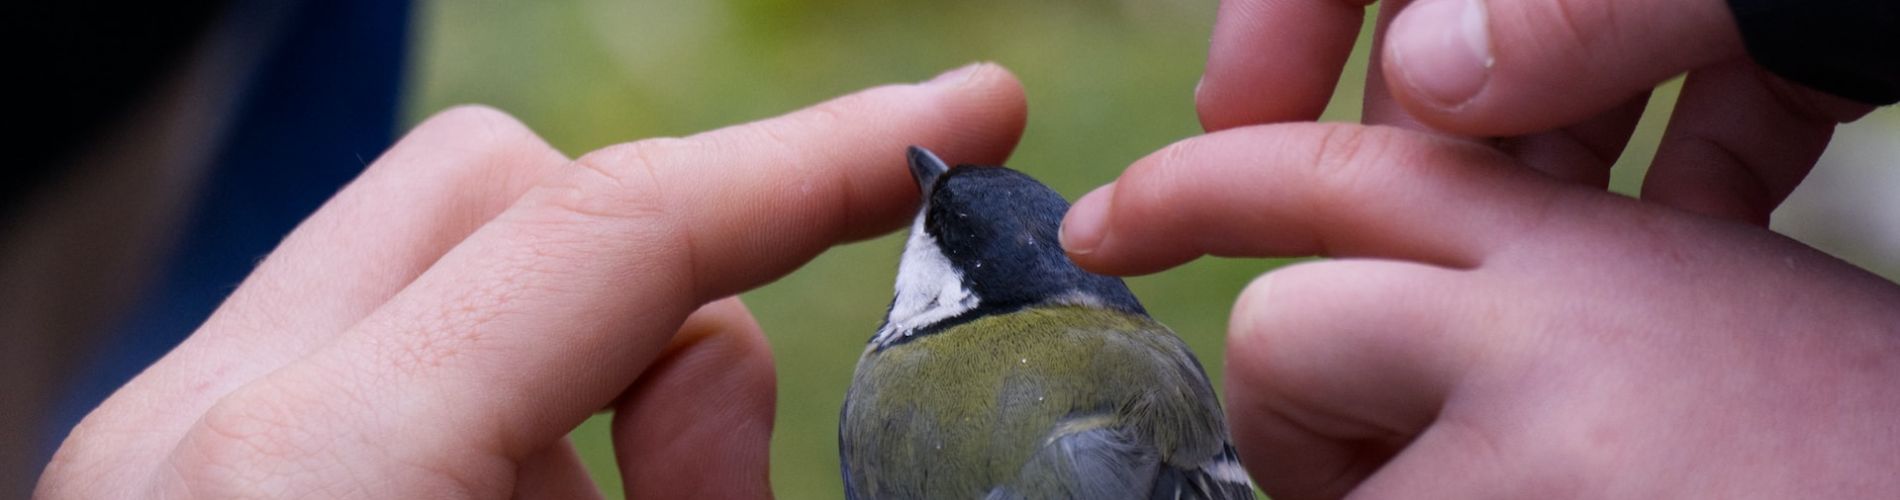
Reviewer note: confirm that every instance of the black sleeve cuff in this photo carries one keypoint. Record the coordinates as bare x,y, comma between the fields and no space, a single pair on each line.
1850,48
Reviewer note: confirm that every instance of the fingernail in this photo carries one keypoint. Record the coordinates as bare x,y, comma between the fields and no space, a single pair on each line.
957,76
1197,87
1083,229
1442,49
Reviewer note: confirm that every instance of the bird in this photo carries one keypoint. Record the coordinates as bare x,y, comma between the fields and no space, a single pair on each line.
1002,370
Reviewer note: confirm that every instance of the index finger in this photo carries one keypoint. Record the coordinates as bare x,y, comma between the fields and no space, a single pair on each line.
547,313
1300,189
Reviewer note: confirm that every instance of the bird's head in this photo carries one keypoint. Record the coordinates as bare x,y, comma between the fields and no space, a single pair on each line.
984,242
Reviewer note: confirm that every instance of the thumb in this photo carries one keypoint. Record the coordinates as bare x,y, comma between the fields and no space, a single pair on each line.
1491,68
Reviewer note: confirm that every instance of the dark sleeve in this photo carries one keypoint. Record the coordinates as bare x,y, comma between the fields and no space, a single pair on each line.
76,68
1850,48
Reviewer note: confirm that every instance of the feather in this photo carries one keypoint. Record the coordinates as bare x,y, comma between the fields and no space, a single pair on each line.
1005,371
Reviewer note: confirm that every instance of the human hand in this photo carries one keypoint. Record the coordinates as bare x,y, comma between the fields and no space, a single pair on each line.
1559,84
438,327
1489,332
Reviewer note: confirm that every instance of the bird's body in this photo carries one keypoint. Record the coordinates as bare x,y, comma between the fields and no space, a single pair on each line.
1003,371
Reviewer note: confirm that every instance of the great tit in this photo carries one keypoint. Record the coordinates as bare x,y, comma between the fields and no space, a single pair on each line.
1002,370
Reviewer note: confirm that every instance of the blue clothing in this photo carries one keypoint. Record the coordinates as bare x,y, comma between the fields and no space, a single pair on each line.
1849,48
318,107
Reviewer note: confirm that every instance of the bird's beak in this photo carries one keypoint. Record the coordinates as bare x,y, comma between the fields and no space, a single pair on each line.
925,168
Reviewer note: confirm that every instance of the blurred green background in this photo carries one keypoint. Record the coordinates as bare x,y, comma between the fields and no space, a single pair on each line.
1108,82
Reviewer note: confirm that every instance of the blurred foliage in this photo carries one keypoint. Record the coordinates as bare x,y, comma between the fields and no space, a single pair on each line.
1108,82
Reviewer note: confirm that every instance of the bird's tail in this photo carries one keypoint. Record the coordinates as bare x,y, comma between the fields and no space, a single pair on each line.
1221,478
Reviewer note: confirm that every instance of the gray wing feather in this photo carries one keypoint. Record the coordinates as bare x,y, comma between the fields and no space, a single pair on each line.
1219,479
1100,463
1106,463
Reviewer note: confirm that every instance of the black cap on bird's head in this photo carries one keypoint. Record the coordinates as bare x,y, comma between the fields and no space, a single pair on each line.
985,242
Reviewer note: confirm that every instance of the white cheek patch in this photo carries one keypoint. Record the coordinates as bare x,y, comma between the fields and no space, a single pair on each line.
929,288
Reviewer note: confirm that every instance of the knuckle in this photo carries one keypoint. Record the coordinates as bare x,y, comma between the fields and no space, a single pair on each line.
1345,158
471,143
466,117
1337,147
1570,26
623,181
246,446
476,127
1173,158
261,420
253,429
613,203
269,440
1145,187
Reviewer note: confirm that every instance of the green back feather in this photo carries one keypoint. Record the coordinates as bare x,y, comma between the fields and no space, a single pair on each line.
960,412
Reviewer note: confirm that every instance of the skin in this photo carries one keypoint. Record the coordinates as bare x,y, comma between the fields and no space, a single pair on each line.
1567,82
1580,343
1489,332
437,327
1494,324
